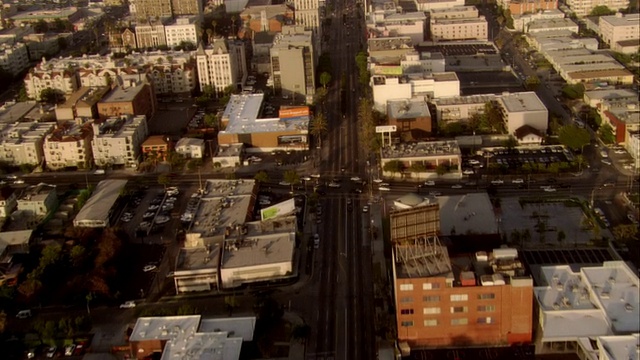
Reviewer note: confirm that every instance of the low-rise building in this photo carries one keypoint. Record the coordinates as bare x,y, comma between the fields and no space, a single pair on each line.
267,18
582,8
619,27
608,347
522,7
589,302
430,156
69,145
551,24
117,141
521,21
397,85
82,104
460,108
229,155
242,125
197,263
182,30
70,14
8,200
410,116
61,80
156,147
97,211
520,109
458,24
47,44
38,200
137,99
14,58
428,5
12,243
623,115
21,143
411,24
190,148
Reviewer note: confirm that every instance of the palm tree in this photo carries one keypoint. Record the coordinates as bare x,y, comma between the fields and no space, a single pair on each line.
319,127
213,25
209,36
233,24
262,177
292,177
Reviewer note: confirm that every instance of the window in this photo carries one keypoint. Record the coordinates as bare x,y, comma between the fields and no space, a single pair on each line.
406,287
406,311
431,310
487,296
459,297
406,323
486,308
407,299
431,322
463,321
459,309
432,298
485,320
430,286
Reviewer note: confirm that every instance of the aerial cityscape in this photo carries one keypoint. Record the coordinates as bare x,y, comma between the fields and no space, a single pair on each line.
320,179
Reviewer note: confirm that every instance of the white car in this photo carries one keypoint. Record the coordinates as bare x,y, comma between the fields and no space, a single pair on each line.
377,181
474,162
149,267
497,182
68,350
19,181
128,305
517,181
355,178
317,176
284,183
456,186
162,220
435,193
384,188
550,189
51,352
430,183
98,172
316,241
306,178
365,209
334,185
468,172
619,151
255,159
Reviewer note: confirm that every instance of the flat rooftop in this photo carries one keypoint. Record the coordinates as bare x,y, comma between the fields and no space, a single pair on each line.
266,242
389,43
118,127
421,149
45,14
229,150
26,132
98,206
87,96
408,109
469,213
120,94
611,94
622,20
522,102
598,74
11,112
464,100
164,327
199,255
541,24
241,117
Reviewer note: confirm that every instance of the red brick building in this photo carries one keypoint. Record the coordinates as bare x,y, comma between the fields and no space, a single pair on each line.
520,7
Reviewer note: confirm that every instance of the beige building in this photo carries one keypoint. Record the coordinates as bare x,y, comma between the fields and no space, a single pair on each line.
147,9
182,29
8,200
117,141
619,27
68,146
455,12
520,109
131,99
21,143
430,155
459,29
582,8
218,65
293,64
190,148
37,201
81,104
37,80
150,35
14,58
428,5
460,108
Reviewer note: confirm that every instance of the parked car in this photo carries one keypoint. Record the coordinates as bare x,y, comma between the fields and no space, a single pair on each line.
128,304
456,186
149,267
384,188
68,350
98,172
517,181
365,209
51,352
430,183
23,314
497,182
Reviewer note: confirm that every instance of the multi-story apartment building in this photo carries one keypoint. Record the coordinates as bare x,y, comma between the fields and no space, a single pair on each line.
521,7
21,143
81,104
122,40
186,7
520,109
68,146
583,7
470,28
67,74
267,17
14,58
464,300
136,99
308,13
619,27
293,63
428,5
117,141
148,9
182,29
412,24
37,201
218,65
8,200
150,35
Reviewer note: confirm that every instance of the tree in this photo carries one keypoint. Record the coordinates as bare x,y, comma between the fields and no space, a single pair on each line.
164,180
625,231
213,26
573,91
510,143
417,167
292,177
62,43
41,26
22,94
526,236
561,236
325,78
51,96
601,10
606,134
261,177
574,137
442,169
531,83
393,166
319,127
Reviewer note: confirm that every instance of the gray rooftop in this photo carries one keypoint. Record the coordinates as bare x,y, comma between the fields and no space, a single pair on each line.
120,94
463,100
11,112
551,23
620,19
241,115
469,213
98,207
421,149
408,108
522,102
199,254
25,132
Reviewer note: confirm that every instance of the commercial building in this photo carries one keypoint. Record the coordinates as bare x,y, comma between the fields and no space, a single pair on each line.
69,145
186,7
117,141
413,217
464,300
623,115
96,212
38,200
190,148
551,24
458,23
460,108
546,41
196,267
219,65
21,143
608,347
520,109
137,99
410,116
293,64
521,21
82,104
190,336
619,27
522,7
398,85
428,5
14,58
385,24
70,14
242,125
580,65
182,30
593,301
467,215
431,155
582,8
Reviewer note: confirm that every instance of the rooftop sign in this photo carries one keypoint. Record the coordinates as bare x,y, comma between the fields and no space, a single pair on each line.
386,129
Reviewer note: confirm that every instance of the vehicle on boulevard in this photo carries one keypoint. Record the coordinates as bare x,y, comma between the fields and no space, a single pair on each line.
517,181
430,183
128,305
497,182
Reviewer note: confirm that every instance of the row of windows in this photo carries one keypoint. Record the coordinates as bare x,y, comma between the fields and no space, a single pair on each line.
452,310
454,322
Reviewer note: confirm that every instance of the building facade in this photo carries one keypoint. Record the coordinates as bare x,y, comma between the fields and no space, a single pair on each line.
460,108
217,66
21,143
138,99
459,29
293,64
183,29
191,148
520,109
521,7
117,141
81,104
69,146
582,8
156,147
619,27
430,155
14,58
150,35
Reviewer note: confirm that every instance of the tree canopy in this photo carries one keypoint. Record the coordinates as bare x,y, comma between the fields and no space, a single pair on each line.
601,10
574,137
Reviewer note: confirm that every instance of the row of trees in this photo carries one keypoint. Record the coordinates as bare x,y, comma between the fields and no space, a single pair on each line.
398,167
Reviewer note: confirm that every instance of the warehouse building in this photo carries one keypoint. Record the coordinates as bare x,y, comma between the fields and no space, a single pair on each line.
96,213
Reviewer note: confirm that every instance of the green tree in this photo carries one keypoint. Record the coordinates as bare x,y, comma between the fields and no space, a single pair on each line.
417,167
261,177
510,143
77,255
532,83
574,137
442,169
164,180
41,26
22,94
292,177
319,127
62,43
325,78
51,254
211,121
601,10
494,117
606,134
393,166
625,231
51,96
573,91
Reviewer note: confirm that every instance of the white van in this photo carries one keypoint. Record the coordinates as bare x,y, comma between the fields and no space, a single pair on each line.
23,314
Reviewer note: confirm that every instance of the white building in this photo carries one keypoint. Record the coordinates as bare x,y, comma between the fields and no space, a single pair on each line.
427,5
308,13
460,108
69,145
196,267
228,155
430,154
611,347
21,143
582,8
520,109
411,85
14,58
62,80
594,301
520,23
183,29
37,201
619,27
218,66
412,24
117,141
190,148
443,28
552,24
150,36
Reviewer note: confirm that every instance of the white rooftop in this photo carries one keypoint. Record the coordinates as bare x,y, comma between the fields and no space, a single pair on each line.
620,19
471,212
241,117
522,102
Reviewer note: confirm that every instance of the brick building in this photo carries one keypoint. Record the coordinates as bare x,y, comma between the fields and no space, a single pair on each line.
138,99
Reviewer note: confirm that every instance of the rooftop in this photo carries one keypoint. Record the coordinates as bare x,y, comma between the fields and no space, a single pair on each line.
611,94
541,24
408,108
389,43
185,141
164,328
421,149
25,132
116,127
11,112
121,94
584,73
471,213
37,192
241,117
45,14
463,100
521,102
621,19
198,255
70,132
98,206
85,96
229,150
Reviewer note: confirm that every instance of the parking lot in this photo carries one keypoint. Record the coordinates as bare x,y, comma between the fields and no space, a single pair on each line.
517,158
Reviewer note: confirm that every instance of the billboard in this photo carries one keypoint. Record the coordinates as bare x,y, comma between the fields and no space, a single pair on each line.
390,70
291,139
293,112
386,128
286,207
